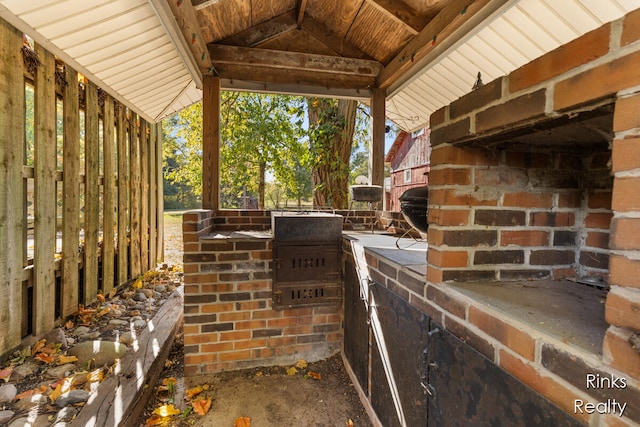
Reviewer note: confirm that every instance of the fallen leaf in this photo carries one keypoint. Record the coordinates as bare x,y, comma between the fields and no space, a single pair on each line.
167,381
24,394
103,311
192,392
242,422
169,363
292,371
69,324
314,375
301,364
166,411
100,297
62,359
5,373
56,393
112,293
350,423
96,376
201,406
259,374
138,283
37,346
43,357
155,420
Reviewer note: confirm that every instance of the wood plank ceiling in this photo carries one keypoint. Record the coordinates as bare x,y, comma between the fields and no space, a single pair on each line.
325,47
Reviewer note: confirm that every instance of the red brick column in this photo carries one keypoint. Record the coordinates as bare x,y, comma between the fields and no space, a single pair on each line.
623,301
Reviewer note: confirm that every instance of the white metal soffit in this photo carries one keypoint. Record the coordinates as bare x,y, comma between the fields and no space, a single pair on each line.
525,30
120,45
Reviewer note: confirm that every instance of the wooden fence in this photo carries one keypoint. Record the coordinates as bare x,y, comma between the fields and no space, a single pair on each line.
80,191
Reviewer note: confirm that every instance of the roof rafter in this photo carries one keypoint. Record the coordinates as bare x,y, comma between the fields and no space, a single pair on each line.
402,13
451,18
324,35
264,31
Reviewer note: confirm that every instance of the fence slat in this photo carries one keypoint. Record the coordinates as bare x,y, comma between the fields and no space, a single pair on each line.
71,194
91,194
134,189
11,186
153,199
159,191
109,197
144,196
45,194
123,205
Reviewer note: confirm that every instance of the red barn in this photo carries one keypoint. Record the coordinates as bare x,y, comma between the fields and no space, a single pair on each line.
409,158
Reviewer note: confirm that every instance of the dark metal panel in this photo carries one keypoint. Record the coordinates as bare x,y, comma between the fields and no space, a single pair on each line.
405,329
470,390
356,329
306,274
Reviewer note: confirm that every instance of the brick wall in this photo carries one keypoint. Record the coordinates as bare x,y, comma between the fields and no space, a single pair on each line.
488,219
230,322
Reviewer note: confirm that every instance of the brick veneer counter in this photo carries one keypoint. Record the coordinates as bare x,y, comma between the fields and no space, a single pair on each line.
546,333
230,321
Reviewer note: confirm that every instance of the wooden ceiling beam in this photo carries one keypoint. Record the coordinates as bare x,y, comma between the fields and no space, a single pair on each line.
456,14
264,31
293,61
185,15
402,13
302,5
332,40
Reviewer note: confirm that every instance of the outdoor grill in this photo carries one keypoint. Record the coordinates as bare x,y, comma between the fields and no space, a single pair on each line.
307,252
413,204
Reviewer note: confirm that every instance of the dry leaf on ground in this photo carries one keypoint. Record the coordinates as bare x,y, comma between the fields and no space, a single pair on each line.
242,422
292,371
201,406
166,411
314,375
63,360
5,373
192,392
301,364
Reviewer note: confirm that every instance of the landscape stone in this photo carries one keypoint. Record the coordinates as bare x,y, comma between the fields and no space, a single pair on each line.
127,338
40,421
138,324
20,372
7,393
147,292
139,297
90,336
28,403
59,372
103,352
57,336
118,322
5,416
72,397
161,288
81,330
66,414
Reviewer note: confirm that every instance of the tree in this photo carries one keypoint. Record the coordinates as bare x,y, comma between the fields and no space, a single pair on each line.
259,133
331,129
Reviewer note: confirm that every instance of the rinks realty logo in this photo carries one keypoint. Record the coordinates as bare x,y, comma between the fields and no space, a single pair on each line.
610,406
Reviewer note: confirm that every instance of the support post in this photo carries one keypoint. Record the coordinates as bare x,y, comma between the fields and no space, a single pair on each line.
45,194
109,199
211,143
376,148
11,185
70,194
91,193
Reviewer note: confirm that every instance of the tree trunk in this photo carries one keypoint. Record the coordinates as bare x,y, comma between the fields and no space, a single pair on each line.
332,123
261,184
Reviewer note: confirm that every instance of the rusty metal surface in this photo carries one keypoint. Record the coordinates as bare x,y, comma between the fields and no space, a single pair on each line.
470,390
356,330
406,333
306,274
